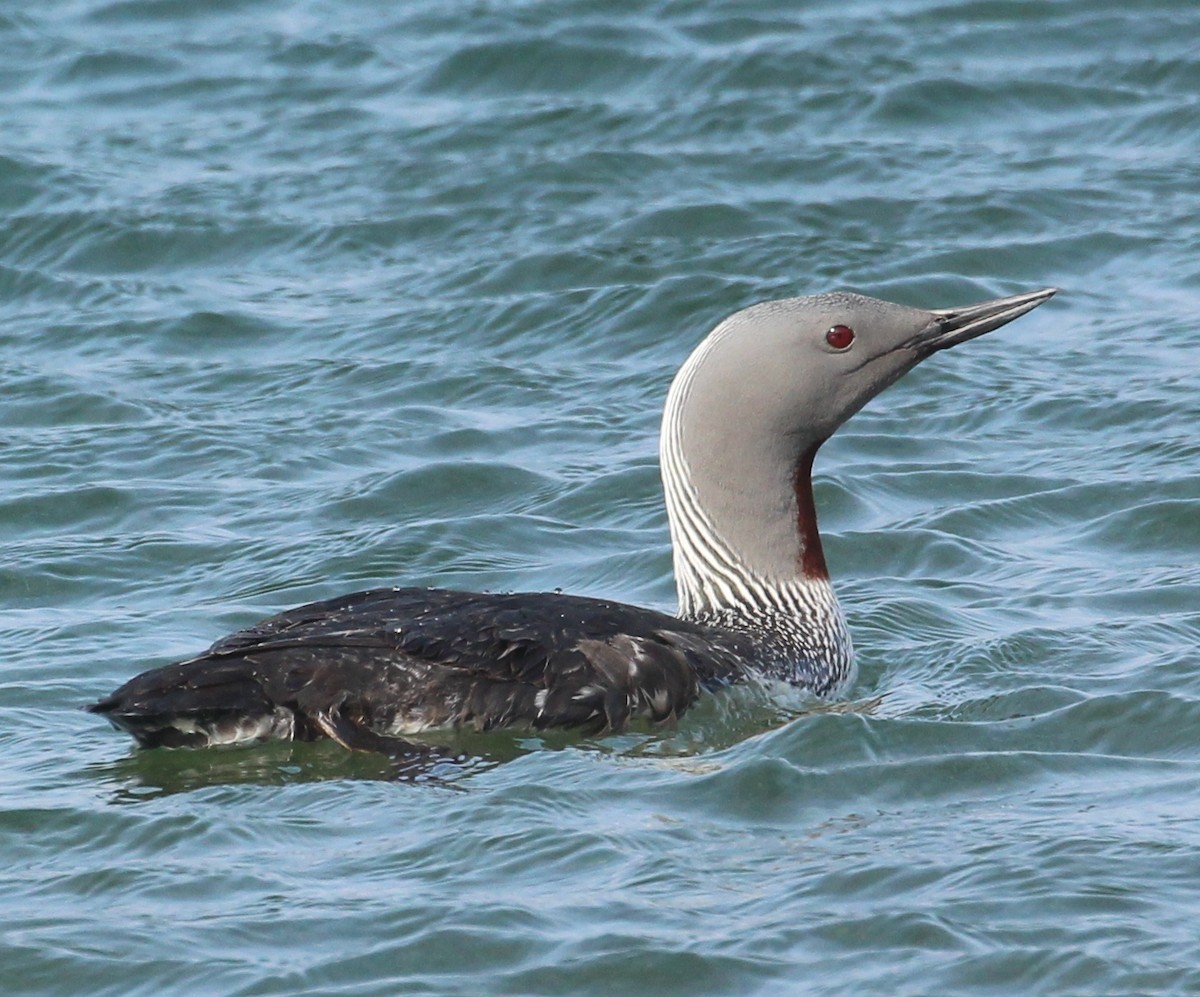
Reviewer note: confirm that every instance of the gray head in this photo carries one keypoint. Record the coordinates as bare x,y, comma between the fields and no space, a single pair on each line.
750,407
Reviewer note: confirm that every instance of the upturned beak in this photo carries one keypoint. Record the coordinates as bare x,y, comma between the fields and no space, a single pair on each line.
952,326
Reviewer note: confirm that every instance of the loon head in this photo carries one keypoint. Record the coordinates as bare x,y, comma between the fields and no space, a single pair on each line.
749,408
796,369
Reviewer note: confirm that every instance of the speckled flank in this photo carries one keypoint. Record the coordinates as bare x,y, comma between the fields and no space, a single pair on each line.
350,670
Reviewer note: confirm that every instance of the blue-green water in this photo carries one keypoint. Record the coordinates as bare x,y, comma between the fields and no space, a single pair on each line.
306,297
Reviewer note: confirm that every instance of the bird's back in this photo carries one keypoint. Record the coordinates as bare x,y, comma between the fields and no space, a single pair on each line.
384,663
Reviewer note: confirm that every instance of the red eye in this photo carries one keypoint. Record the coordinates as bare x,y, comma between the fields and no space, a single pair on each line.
840,337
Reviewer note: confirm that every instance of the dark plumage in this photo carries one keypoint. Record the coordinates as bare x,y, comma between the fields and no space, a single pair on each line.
366,668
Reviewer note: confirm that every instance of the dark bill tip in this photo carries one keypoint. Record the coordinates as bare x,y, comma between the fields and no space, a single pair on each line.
952,326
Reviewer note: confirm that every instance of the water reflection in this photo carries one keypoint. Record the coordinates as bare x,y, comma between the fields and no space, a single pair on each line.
151,773
447,759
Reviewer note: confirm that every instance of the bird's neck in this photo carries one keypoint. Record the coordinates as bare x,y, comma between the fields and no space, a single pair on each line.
747,550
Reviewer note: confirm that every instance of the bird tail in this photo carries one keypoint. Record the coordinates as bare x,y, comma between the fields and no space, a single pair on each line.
198,703
230,699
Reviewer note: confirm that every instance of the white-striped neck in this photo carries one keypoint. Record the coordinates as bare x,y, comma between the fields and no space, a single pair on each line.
746,550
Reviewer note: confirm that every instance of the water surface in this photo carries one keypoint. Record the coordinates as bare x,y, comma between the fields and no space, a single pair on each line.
306,297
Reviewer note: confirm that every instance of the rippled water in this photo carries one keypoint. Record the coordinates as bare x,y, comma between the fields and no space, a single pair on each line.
305,297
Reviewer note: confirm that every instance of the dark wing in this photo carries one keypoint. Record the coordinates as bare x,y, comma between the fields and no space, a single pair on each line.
386,662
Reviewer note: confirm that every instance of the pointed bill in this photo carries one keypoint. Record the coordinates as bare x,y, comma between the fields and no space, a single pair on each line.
952,326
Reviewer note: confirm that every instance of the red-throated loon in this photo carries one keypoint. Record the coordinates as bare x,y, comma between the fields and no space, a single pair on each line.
744,418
